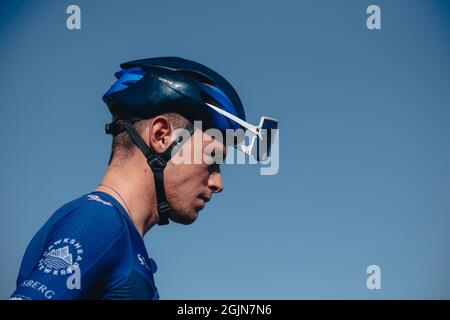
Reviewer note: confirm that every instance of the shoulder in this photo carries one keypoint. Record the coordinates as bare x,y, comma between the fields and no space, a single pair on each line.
90,235
93,219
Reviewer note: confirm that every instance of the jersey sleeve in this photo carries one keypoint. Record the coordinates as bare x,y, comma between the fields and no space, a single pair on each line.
78,257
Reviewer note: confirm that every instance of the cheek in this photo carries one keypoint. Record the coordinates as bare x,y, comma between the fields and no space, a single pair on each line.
186,176
197,176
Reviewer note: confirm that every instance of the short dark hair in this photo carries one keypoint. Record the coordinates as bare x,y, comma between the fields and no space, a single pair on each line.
123,146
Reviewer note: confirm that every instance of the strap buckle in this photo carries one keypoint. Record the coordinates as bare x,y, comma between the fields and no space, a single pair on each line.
163,210
163,207
156,162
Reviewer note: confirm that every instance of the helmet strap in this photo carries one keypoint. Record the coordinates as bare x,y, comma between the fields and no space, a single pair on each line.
157,163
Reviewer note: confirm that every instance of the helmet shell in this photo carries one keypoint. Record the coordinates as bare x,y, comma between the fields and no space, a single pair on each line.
148,87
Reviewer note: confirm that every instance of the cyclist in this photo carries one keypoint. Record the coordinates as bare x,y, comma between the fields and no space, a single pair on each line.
92,247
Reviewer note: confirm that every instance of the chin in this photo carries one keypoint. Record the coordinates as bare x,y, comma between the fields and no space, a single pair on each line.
186,218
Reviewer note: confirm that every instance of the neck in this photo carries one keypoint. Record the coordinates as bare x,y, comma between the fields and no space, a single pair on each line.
134,190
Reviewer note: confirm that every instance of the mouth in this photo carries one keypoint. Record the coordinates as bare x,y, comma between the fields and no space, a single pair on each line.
203,201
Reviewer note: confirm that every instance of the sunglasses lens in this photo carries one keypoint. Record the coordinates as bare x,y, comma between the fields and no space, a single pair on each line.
268,126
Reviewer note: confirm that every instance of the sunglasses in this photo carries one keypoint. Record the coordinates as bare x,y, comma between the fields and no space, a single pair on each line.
261,143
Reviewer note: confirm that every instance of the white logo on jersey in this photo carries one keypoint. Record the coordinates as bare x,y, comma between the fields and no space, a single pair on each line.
62,257
143,262
98,199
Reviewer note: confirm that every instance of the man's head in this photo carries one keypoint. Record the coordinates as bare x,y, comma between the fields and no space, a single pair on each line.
155,86
188,185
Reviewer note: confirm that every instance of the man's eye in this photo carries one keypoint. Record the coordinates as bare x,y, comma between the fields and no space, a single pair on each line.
213,167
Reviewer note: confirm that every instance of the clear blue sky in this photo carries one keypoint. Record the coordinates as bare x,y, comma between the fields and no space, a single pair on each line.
365,140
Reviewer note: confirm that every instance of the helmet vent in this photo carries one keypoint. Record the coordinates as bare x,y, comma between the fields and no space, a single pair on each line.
199,77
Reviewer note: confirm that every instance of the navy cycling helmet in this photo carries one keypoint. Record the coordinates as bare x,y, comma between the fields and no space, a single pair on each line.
149,87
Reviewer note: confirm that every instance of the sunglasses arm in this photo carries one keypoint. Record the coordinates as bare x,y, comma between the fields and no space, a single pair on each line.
254,129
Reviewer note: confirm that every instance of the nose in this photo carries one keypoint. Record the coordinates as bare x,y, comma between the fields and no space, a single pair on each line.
215,182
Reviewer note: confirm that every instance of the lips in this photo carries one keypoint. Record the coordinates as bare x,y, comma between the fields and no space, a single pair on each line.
204,200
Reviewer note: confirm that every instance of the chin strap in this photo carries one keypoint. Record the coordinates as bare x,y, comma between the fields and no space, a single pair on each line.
156,162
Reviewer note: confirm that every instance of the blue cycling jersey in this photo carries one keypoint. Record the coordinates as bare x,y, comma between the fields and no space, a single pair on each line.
88,249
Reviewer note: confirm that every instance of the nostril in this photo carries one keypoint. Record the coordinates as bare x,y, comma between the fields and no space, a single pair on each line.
218,189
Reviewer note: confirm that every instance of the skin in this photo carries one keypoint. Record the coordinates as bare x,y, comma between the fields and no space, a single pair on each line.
188,186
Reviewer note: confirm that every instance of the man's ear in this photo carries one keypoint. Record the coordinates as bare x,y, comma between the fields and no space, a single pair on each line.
160,134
